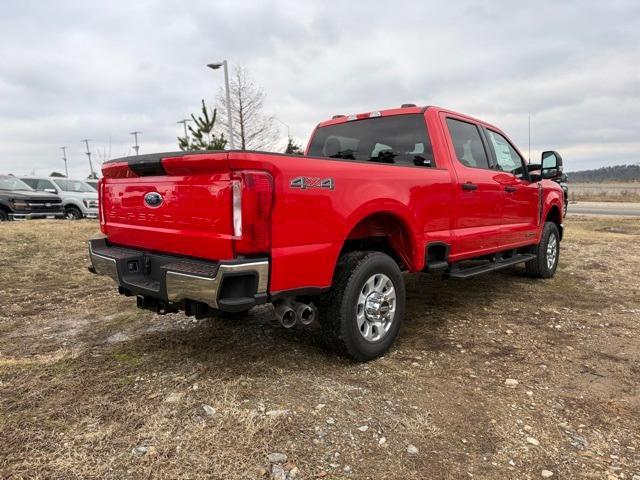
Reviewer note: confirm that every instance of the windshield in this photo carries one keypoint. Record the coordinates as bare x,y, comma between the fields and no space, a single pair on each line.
13,183
399,139
73,186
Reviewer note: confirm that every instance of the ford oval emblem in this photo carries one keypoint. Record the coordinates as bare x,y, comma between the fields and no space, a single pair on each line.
153,199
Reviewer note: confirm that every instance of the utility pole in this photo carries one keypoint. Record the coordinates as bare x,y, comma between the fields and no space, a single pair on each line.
136,147
184,122
64,157
215,66
88,153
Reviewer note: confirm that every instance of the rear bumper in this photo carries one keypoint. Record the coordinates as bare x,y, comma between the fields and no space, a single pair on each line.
169,283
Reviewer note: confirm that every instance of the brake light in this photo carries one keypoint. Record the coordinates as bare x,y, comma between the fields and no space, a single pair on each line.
252,193
103,222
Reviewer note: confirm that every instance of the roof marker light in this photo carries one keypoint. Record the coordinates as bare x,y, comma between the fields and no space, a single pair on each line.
352,117
375,114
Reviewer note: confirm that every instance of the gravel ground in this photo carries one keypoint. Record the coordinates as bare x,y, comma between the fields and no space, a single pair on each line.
496,377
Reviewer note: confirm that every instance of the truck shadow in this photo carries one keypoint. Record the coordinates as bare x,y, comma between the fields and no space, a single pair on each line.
239,345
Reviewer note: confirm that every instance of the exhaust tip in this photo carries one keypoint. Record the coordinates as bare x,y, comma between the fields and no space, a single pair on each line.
306,314
288,318
286,315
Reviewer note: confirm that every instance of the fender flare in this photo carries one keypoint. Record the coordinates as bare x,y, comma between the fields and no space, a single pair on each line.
397,210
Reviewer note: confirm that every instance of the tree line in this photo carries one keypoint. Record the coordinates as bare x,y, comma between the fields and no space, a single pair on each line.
253,129
617,173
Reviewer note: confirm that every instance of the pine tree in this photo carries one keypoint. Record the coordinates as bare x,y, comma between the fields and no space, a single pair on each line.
202,136
293,148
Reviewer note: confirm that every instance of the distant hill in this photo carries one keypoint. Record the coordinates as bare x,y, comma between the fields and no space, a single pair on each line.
618,173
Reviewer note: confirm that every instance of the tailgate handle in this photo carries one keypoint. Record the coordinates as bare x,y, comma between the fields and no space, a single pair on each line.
469,186
510,189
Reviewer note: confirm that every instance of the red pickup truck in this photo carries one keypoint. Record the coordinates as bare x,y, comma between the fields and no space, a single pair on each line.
327,236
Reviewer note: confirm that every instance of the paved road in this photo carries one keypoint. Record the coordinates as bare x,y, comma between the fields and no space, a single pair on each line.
605,208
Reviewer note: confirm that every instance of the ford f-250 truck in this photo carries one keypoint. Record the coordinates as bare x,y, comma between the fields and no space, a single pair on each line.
328,235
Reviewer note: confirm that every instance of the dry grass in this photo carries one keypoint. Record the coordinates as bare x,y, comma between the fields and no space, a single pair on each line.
604,192
85,377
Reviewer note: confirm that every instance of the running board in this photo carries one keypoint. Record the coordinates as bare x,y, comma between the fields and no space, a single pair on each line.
464,273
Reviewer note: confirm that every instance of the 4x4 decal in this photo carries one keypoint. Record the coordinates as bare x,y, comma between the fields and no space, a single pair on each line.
312,182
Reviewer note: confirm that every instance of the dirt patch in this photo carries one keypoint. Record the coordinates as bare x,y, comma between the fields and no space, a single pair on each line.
91,387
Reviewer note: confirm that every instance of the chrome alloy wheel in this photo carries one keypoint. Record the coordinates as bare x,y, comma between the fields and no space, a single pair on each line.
376,307
552,251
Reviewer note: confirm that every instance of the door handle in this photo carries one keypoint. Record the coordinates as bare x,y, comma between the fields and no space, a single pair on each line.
469,186
510,189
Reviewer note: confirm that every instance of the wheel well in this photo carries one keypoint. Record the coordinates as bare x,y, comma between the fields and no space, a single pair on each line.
554,216
383,232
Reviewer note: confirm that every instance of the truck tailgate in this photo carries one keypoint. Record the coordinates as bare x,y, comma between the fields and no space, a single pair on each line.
180,205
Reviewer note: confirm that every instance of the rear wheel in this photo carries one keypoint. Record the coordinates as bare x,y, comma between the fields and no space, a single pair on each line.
72,213
4,216
361,315
547,253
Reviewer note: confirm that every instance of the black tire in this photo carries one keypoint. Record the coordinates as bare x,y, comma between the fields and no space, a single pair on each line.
72,213
338,307
4,216
542,266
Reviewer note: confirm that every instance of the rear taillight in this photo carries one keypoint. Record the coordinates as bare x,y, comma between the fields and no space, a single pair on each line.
252,193
103,223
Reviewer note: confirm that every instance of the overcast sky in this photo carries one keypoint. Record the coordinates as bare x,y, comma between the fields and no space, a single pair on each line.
72,70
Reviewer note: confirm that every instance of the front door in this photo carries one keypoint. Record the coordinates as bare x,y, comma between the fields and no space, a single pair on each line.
520,196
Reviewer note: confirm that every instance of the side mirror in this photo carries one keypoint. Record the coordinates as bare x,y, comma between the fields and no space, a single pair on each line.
551,165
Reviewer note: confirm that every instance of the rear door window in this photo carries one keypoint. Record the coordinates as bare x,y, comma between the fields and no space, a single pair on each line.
467,143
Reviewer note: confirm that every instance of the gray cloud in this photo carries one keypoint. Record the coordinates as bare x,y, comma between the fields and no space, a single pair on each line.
73,70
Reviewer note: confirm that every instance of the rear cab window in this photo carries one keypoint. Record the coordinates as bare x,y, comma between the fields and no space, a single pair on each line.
398,139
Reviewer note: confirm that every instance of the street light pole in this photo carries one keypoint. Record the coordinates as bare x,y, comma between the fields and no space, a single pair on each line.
286,125
184,122
64,157
88,153
136,147
215,66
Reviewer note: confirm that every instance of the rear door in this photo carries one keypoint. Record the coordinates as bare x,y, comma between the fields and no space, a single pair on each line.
479,196
521,196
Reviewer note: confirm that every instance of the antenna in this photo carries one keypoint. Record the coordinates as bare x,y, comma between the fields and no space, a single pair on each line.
136,147
529,137
88,153
64,158
184,122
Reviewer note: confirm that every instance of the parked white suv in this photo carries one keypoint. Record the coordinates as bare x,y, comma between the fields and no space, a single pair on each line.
78,199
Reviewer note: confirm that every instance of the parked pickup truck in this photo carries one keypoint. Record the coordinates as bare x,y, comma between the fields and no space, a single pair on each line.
327,236
18,201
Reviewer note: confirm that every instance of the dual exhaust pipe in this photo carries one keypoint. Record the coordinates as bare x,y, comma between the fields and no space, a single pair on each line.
290,313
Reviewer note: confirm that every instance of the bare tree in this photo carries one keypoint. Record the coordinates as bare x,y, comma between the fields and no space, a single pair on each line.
252,128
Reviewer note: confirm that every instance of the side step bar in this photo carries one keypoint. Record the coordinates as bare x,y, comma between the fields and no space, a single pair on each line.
464,273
